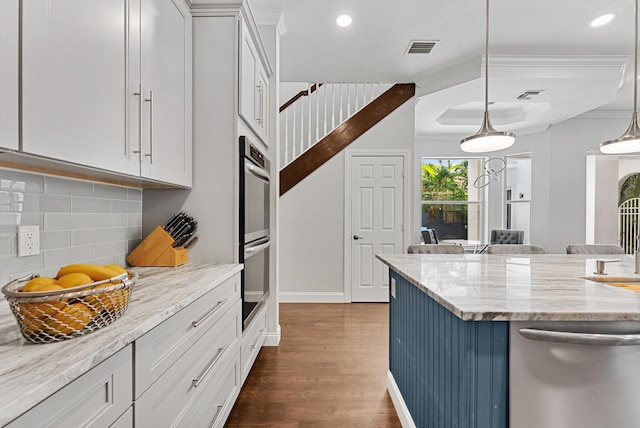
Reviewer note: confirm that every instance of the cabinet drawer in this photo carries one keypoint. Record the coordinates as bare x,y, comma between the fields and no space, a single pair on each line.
252,341
165,403
214,403
161,347
95,399
124,421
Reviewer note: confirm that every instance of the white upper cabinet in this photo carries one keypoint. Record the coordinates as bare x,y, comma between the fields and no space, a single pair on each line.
166,90
107,84
254,86
74,87
9,36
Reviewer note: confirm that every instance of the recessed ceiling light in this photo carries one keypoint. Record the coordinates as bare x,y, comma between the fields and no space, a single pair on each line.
603,20
344,20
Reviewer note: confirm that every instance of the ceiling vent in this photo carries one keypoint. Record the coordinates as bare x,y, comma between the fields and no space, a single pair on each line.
420,46
526,95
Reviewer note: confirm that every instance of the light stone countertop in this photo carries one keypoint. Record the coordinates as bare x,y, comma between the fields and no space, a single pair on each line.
545,287
29,373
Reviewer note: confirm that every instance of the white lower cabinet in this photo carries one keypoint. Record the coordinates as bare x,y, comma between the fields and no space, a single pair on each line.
160,348
124,421
96,399
188,369
185,372
252,340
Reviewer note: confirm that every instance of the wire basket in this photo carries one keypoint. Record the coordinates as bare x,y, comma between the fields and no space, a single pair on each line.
54,316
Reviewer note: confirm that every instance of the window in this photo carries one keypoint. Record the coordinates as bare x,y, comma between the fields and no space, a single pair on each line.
450,203
518,193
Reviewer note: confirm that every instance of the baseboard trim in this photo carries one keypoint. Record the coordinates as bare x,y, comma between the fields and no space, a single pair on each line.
273,338
398,402
310,297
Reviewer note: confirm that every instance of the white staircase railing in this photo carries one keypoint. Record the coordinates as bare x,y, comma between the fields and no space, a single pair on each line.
327,105
629,224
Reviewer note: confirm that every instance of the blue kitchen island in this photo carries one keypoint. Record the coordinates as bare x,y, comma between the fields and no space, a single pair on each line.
458,357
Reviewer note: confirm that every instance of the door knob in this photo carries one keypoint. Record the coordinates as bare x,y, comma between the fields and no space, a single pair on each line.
356,237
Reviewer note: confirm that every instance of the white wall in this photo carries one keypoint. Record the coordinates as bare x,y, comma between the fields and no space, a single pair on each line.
312,216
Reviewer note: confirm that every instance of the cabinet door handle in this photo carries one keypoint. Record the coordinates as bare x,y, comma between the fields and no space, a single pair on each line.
581,338
139,95
150,101
259,90
219,414
195,382
211,312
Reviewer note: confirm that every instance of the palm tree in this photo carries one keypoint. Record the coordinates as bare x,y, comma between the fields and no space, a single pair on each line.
630,188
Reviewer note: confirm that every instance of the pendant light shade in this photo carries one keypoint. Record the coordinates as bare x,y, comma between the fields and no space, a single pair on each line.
630,141
487,139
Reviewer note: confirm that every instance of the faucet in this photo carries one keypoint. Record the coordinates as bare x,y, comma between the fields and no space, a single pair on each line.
600,266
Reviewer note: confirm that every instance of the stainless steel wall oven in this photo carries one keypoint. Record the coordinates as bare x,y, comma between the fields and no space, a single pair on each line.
254,228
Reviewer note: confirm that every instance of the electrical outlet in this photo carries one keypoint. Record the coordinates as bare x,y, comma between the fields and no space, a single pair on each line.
28,241
393,288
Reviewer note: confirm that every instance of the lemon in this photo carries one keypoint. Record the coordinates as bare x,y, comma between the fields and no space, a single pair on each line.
74,279
113,301
71,319
36,283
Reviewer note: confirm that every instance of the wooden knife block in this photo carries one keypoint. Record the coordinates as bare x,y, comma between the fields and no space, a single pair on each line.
157,250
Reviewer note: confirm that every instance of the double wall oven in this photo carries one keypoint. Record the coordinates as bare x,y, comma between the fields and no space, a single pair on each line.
254,228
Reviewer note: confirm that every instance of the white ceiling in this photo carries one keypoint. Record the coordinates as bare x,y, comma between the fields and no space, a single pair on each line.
543,45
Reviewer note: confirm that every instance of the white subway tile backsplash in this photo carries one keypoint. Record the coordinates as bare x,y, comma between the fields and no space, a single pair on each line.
126,206
113,220
8,245
29,202
70,221
13,264
55,239
109,191
55,203
134,194
77,220
108,249
10,218
64,256
64,186
21,182
90,205
134,220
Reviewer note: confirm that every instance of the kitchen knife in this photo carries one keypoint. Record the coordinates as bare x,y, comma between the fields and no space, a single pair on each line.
190,242
168,224
180,242
172,224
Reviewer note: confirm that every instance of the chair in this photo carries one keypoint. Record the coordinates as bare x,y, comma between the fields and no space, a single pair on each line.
594,249
515,249
435,249
507,236
430,236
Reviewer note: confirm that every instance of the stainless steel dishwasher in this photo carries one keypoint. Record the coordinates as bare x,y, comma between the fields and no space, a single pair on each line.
574,374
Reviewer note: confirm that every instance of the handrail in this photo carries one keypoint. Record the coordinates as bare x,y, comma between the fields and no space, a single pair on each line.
299,95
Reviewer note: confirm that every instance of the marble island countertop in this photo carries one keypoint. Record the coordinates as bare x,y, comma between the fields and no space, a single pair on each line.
549,287
30,373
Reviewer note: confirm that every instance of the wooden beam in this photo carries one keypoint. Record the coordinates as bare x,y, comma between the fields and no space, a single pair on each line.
345,134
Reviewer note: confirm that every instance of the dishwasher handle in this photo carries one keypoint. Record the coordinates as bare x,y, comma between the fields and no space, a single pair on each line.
597,339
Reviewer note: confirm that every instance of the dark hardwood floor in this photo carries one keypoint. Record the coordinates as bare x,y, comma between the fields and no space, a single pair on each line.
329,371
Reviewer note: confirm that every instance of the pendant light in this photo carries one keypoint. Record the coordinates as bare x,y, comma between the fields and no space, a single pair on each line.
487,139
630,141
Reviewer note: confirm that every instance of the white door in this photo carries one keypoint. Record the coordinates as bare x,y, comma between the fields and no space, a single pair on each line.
376,223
